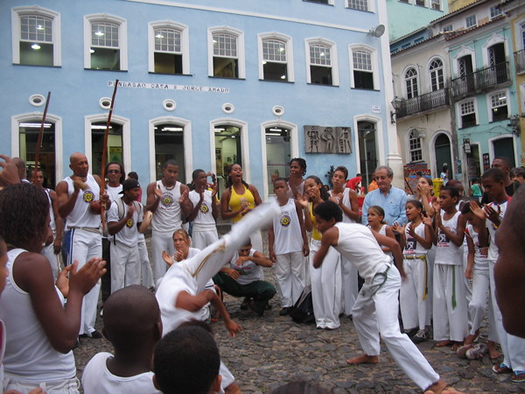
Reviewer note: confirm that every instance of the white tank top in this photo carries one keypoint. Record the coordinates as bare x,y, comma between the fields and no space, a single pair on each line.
81,215
204,219
114,192
346,202
357,244
412,247
287,230
249,271
493,249
479,259
446,252
29,356
52,222
167,218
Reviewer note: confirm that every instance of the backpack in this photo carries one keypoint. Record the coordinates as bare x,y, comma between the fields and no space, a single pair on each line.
303,310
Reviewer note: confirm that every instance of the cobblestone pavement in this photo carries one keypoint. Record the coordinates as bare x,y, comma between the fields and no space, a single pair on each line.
273,350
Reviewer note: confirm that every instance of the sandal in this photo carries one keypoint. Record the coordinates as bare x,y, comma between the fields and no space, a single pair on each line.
462,351
500,369
518,377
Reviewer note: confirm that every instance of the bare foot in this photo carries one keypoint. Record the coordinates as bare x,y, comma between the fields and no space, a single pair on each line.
447,342
441,387
493,352
363,359
456,346
471,338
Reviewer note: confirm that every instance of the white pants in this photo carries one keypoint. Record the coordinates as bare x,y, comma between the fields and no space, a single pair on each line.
146,274
49,253
450,322
513,347
413,296
350,285
67,386
468,285
326,287
376,312
125,266
478,304
83,246
289,272
202,238
160,242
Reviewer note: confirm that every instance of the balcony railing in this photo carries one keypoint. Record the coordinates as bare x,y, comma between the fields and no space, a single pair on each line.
481,80
425,102
519,59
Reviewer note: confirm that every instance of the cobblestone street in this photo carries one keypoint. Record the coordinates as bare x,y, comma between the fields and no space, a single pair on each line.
273,350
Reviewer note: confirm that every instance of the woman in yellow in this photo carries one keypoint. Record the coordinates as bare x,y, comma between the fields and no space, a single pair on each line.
326,280
238,199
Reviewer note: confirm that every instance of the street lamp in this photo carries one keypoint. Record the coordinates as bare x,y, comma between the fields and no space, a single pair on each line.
515,124
397,103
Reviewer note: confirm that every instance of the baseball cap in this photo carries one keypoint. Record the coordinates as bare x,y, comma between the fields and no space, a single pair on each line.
129,184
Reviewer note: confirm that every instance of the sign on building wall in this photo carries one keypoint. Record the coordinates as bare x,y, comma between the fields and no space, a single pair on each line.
327,139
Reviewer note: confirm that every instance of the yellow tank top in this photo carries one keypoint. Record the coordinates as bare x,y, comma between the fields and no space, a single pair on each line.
236,200
315,233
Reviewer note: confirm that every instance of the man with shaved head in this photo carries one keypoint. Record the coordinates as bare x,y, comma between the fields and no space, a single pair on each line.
21,167
133,326
80,203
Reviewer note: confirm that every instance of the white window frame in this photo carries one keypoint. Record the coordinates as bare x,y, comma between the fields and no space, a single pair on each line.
241,51
123,38
333,55
430,73
467,21
433,2
418,84
413,134
370,6
289,53
490,107
495,11
184,38
460,114
448,28
330,2
17,13
373,59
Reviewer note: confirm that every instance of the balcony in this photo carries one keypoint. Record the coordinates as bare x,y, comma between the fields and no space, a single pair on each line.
519,60
423,103
480,81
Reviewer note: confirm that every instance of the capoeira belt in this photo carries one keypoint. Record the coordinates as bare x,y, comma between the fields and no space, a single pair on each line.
95,230
424,258
384,274
454,303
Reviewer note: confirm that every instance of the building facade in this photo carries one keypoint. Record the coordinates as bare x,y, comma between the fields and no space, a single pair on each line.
206,84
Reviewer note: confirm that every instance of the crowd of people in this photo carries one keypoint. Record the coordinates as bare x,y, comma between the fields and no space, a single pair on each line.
430,257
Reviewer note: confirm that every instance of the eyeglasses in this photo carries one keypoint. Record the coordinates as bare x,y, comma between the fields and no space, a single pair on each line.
113,171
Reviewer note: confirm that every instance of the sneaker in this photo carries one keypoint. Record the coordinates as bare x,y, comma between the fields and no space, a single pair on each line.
476,352
411,331
518,377
244,304
421,336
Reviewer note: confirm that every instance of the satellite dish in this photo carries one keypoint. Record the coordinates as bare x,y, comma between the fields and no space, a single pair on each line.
377,31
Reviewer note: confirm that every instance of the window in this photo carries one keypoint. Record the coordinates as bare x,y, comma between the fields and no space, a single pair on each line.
435,4
115,144
495,11
361,5
105,43
28,141
322,67
448,28
274,59
470,21
414,146
363,73
420,3
468,114
411,83
227,53
278,153
499,107
168,48
169,145
437,80
36,36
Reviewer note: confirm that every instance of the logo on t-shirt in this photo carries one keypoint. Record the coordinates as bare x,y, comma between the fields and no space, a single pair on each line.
443,240
129,223
167,199
285,220
204,208
89,196
410,246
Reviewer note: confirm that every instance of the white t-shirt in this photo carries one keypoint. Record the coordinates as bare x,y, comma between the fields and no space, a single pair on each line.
167,218
97,379
204,219
493,249
248,271
412,247
81,215
287,230
447,253
129,234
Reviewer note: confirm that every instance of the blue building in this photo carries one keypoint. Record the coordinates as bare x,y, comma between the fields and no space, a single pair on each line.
208,84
